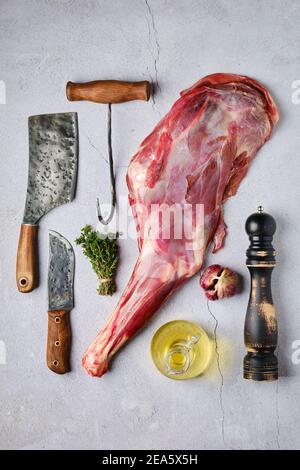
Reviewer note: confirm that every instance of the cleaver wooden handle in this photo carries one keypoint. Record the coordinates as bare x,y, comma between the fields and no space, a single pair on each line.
108,91
59,341
26,272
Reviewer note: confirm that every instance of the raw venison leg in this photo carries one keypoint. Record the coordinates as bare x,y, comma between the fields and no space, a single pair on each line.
198,154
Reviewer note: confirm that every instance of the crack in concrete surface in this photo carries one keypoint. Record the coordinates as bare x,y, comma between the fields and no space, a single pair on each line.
19,213
220,373
155,55
93,146
277,416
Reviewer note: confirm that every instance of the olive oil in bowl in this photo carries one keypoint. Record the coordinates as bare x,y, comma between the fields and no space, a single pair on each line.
181,350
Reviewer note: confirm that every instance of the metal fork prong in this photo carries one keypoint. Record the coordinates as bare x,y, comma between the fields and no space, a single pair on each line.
111,173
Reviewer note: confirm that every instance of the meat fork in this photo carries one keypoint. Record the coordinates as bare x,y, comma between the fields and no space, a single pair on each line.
108,92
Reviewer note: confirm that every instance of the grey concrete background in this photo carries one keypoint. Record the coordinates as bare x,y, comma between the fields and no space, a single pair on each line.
45,43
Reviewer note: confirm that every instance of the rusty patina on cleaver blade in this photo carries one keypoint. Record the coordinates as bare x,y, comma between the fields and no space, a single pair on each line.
52,174
53,152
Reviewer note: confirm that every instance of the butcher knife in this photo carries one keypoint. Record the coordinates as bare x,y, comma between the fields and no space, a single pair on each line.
60,299
53,155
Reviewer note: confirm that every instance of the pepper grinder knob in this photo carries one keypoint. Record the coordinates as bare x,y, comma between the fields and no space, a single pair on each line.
260,332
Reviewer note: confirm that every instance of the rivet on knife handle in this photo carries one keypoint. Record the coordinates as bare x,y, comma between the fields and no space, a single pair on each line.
108,91
26,273
59,341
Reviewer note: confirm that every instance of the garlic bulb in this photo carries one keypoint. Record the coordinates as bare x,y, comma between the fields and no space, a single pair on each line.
219,282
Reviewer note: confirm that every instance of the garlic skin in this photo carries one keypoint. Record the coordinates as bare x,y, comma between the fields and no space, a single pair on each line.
219,282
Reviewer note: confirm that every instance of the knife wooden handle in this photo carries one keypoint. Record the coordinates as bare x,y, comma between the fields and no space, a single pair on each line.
26,272
108,91
59,341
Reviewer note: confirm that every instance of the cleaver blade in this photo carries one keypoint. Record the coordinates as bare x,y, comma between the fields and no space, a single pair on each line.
52,174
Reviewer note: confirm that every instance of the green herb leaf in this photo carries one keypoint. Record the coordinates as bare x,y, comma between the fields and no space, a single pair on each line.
103,253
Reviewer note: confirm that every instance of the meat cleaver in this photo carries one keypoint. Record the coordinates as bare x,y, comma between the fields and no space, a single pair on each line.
52,172
60,302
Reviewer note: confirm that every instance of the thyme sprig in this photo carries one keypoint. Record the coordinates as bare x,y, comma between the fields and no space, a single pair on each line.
103,254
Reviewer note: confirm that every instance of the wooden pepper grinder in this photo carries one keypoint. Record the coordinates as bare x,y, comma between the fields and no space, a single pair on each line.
260,363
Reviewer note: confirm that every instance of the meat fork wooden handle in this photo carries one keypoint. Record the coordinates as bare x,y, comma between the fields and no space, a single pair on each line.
108,91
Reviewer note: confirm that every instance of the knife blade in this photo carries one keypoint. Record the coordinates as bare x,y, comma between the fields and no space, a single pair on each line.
52,174
60,302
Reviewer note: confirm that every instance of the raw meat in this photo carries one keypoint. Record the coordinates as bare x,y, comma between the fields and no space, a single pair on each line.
198,154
